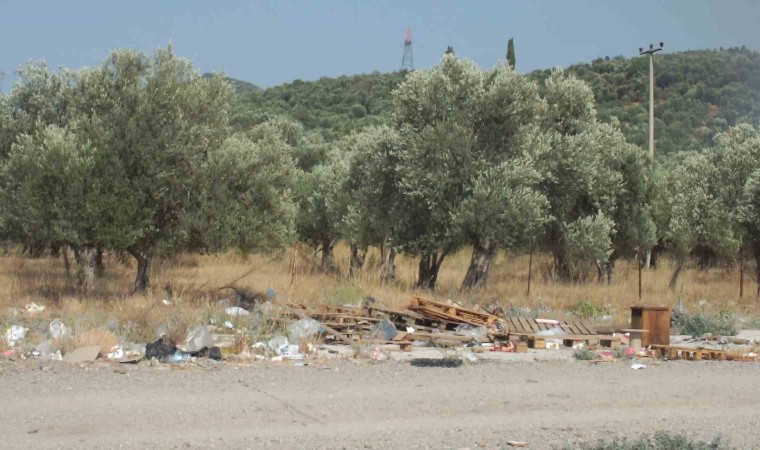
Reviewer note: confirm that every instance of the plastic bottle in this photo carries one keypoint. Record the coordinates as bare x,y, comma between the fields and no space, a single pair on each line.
178,357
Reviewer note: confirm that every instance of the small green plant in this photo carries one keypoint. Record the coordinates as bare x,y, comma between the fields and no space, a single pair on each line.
698,325
587,310
658,441
585,354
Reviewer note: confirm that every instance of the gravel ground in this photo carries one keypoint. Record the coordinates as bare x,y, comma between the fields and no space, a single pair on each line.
350,404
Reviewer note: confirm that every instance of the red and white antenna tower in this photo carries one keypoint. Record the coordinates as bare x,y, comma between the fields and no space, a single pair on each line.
407,62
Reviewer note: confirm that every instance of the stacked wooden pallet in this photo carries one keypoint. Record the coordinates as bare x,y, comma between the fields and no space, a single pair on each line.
699,354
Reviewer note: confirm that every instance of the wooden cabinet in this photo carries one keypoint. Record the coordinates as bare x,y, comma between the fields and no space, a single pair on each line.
655,319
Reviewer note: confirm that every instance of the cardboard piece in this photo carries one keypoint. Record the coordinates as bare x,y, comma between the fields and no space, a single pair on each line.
82,354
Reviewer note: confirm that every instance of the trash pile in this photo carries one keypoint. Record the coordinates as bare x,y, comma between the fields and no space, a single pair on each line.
370,331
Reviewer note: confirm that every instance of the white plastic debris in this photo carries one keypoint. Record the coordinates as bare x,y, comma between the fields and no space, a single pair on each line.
33,308
117,352
291,351
58,330
228,324
236,311
197,339
638,366
303,329
14,335
166,302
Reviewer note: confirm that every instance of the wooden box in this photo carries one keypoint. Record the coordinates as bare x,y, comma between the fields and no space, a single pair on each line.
655,319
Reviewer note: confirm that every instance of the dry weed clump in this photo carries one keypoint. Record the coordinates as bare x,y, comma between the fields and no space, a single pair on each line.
191,284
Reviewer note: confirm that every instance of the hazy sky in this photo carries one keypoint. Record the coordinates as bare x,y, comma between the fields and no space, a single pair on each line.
271,42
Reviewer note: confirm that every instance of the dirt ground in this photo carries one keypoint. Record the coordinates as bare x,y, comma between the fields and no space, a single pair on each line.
390,404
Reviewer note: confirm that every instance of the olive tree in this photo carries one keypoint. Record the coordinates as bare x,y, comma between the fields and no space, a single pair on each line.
373,186
57,187
246,196
322,206
156,120
465,175
589,173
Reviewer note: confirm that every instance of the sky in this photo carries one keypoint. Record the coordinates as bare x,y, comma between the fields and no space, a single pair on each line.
273,42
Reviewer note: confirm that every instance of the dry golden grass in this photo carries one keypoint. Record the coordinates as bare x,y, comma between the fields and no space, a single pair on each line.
195,279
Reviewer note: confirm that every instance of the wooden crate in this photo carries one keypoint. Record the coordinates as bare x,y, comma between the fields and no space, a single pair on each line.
656,319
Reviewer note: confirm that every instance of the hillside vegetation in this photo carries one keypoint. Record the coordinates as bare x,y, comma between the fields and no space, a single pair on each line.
698,94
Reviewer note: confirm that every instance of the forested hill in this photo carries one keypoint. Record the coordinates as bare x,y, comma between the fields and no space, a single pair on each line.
698,93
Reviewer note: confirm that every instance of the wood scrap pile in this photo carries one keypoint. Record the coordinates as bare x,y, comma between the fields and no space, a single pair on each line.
444,324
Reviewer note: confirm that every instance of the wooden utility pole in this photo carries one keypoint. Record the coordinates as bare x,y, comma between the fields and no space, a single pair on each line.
530,267
651,53
652,50
638,263
741,271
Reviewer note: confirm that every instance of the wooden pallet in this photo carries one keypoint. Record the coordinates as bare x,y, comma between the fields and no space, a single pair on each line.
698,354
450,313
539,341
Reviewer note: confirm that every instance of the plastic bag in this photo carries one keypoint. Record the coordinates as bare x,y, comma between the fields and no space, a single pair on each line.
478,333
236,311
303,329
14,335
58,330
384,330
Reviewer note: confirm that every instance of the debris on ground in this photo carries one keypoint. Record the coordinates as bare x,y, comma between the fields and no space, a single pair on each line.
14,335
82,354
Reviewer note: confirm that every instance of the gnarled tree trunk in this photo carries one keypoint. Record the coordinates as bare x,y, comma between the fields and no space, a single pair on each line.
85,256
100,269
680,263
430,264
358,256
480,265
328,260
756,251
388,270
144,257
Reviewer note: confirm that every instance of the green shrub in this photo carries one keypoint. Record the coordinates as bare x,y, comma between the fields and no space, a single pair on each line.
585,354
698,325
659,441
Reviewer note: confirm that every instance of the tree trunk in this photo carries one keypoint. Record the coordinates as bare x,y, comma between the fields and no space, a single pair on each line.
66,263
429,266
480,264
328,260
86,255
561,266
358,256
388,270
100,269
144,257
674,278
756,251
648,259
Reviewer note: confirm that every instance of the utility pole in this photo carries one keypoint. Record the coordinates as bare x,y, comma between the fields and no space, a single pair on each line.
652,50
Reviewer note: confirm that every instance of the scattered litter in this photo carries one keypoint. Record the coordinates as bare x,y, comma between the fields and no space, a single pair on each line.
14,335
33,308
303,329
197,339
517,443
82,354
638,366
384,330
228,325
178,357
276,343
215,353
58,330
236,311
159,349
166,302
291,351
470,357
117,352
548,321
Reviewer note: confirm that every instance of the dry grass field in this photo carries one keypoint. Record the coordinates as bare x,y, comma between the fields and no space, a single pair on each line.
195,281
